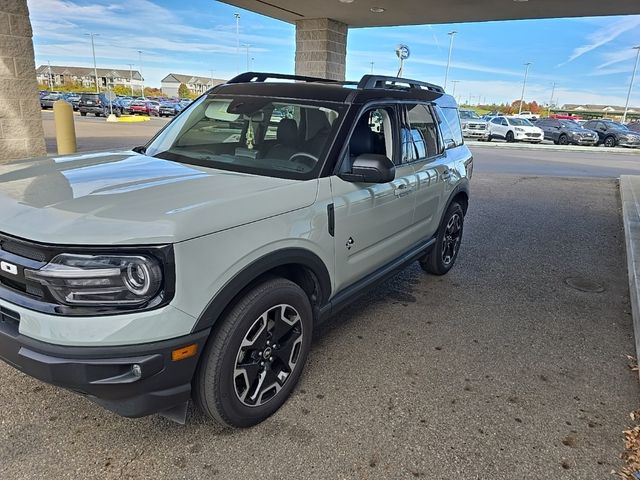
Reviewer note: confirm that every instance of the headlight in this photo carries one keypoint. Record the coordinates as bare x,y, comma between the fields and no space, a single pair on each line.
100,280
623,138
518,129
464,126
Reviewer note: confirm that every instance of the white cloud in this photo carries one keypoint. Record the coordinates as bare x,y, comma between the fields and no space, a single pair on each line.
605,35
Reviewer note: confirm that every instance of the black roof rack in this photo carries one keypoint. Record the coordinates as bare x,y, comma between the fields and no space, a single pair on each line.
381,81
367,82
262,77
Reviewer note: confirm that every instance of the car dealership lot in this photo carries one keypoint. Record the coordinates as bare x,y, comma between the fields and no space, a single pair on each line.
499,370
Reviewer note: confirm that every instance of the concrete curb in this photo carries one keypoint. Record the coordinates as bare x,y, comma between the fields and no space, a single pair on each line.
556,148
630,197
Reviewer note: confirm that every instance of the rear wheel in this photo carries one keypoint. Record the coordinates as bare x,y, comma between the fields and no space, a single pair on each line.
510,138
254,359
445,251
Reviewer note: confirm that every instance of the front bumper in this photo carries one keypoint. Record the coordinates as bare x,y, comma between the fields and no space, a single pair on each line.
583,141
481,134
105,374
528,137
629,144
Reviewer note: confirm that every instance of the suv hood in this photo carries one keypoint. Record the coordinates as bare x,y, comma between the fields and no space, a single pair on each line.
127,198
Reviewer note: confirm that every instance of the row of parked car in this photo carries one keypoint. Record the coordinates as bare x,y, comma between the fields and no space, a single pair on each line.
99,104
559,131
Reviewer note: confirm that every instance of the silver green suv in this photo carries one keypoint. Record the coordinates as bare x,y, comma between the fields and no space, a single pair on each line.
197,266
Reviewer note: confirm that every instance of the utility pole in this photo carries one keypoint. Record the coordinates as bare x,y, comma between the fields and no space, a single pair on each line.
93,50
633,77
524,85
237,15
131,77
372,64
141,77
247,46
211,79
553,91
446,73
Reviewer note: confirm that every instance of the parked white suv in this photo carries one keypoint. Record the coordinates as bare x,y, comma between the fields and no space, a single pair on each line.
198,265
514,129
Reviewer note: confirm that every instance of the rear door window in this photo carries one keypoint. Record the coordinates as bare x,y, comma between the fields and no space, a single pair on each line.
450,125
419,133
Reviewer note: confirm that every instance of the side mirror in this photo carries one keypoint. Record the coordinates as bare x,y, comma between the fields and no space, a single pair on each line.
449,143
370,168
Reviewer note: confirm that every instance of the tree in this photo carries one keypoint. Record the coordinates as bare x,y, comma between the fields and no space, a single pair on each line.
183,91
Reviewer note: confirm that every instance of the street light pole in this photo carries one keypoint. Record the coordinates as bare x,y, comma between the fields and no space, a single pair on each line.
93,50
50,77
372,64
553,91
633,77
247,46
524,85
237,15
141,77
455,83
131,77
446,74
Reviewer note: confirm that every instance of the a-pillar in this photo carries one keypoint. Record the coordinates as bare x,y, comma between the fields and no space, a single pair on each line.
321,48
21,133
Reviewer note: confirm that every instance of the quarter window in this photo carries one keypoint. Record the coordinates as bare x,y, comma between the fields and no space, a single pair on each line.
450,123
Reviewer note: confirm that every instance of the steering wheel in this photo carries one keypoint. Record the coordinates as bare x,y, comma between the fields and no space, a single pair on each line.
305,159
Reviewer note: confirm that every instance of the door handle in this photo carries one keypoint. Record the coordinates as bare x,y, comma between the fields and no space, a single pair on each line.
402,190
446,175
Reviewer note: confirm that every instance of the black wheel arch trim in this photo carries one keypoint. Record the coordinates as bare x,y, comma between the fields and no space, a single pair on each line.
460,188
261,266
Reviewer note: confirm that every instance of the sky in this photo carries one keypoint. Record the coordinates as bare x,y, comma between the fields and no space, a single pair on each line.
589,59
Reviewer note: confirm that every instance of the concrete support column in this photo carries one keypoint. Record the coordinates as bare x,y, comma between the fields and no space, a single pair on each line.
21,133
321,48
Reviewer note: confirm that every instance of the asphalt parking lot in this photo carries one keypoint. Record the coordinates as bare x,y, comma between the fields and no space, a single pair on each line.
499,370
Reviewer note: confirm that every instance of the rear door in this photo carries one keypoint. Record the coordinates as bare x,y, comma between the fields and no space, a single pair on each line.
425,150
373,221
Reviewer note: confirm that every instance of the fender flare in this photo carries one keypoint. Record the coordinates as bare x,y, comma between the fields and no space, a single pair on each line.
287,256
460,188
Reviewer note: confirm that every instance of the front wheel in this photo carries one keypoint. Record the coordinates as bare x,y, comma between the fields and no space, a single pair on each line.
83,114
255,357
445,251
510,137
563,140
610,142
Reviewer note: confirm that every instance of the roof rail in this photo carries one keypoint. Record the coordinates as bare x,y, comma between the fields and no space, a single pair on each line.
262,77
381,81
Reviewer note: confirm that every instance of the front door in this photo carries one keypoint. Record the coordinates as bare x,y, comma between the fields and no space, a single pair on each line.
372,221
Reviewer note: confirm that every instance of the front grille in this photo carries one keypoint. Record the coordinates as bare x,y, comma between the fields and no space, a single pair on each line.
22,250
20,254
534,135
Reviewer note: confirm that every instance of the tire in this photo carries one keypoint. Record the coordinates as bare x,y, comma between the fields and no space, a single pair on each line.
444,254
563,140
233,396
489,138
83,114
610,141
510,138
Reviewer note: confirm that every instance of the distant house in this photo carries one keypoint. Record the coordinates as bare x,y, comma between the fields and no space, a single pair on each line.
598,111
196,85
57,75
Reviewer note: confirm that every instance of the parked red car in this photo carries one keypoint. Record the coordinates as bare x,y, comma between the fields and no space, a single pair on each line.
145,107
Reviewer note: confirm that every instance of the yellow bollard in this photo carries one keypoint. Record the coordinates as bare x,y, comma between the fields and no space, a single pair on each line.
65,127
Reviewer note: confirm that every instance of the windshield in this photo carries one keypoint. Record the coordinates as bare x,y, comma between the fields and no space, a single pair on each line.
520,122
616,126
570,124
469,114
258,135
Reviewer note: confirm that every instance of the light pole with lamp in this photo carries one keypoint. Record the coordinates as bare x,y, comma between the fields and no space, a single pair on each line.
237,15
141,77
455,83
247,46
446,73
131,77
633,77
524,85
93,51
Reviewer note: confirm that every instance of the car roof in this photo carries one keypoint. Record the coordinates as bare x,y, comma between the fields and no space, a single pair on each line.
370,88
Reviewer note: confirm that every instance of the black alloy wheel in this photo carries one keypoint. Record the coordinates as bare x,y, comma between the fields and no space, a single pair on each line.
445,251
610,141
255,355
563,140
510,138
